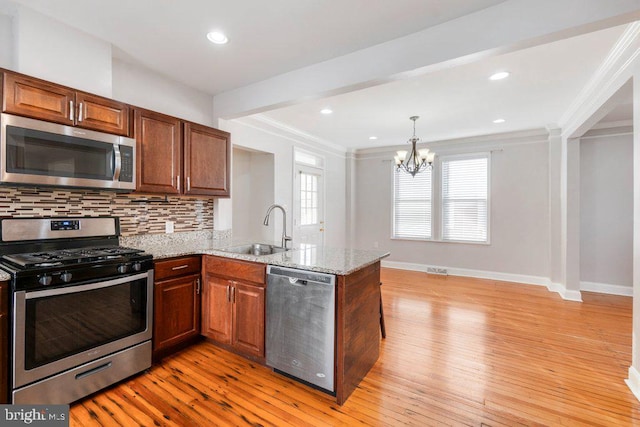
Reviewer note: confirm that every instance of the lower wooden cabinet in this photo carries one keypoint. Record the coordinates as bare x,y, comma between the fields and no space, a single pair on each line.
233,311
4,342
176,304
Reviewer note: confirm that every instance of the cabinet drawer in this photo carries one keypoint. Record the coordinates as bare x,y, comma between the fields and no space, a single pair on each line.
236,269
176,267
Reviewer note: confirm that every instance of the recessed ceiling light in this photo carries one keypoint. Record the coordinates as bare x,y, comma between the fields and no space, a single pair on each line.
499,121
217,37
326,111
499,76
373,137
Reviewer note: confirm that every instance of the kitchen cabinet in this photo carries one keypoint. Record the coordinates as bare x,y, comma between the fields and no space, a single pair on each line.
178,157
159,146
207,157
176,304
4,342
35,98
233,313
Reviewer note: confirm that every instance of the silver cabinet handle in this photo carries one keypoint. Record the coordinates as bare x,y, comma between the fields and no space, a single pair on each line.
188,183
197,286
71,112
178,182
80,112
180,267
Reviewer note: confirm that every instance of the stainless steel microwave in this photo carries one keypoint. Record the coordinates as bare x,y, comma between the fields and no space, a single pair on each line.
34,152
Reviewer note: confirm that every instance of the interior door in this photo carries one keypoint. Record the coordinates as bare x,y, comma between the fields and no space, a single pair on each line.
308,205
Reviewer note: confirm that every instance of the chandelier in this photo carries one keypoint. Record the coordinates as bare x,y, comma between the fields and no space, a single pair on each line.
417,160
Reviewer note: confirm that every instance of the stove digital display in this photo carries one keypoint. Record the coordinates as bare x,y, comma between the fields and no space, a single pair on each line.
65,225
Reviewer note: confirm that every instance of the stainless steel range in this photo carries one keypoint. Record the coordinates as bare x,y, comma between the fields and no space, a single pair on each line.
81,307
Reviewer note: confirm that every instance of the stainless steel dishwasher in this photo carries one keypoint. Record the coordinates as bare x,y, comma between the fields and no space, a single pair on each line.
301,325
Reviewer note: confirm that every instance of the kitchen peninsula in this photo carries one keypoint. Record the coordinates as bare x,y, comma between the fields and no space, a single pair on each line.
357,290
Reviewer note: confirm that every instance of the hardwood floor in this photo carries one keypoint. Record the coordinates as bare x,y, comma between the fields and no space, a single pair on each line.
458,351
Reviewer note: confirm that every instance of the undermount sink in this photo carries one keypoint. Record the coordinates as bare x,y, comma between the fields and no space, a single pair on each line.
257,249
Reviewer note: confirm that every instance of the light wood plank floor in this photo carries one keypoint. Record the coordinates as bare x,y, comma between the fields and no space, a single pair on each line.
458,351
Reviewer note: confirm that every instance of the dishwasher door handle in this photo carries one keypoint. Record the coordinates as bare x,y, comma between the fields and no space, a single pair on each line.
297,282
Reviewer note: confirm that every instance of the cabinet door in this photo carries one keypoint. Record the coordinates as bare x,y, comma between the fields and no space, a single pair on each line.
29,97
4,342
159,158
207,156
216,311
102,114
248,319
177,311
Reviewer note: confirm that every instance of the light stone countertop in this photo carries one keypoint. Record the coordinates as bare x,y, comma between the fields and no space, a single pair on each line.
4,276
340,261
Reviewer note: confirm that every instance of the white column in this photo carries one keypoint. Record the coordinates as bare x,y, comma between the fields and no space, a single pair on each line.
555,163
634,371
570,220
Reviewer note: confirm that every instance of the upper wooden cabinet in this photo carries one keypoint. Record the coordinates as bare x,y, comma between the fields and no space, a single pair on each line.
177,157
159,148
207,156
30,97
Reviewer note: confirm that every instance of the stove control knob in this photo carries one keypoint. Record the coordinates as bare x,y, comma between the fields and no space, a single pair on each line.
123,268
45,280
66,277
136,266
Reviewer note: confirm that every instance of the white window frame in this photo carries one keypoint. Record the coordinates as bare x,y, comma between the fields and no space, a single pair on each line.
393,208
437,205
468,156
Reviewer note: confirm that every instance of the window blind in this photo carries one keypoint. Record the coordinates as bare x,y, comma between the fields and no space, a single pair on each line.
412,205
465,198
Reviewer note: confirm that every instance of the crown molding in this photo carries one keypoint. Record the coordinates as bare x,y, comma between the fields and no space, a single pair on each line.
618,62
279,129
470,144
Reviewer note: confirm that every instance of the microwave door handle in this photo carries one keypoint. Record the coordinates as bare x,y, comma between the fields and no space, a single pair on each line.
117,159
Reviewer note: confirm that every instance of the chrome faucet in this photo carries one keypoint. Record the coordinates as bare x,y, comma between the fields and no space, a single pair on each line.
285,238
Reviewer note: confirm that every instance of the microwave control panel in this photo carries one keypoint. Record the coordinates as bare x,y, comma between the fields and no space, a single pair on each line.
126,170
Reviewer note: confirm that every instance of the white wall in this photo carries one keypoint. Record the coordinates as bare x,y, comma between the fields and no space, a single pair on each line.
51,50
519,229
606,211
246,134
6,40
142,87
252,192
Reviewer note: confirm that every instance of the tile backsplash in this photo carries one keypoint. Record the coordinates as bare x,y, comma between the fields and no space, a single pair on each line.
139,214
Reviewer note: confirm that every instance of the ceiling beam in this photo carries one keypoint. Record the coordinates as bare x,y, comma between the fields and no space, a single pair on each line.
506,27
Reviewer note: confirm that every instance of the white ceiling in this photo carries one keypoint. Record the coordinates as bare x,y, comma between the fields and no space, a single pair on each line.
271,38
461,101
267,38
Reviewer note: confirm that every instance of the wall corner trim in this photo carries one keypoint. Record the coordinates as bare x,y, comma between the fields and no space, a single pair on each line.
607,288
633,382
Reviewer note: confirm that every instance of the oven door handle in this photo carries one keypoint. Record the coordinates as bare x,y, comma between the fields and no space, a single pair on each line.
87,287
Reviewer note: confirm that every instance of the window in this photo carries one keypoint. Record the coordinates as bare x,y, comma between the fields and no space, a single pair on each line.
308,198
412,205
449,203
465,188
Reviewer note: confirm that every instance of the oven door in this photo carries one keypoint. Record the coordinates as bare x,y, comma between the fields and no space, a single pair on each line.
43,153
57,329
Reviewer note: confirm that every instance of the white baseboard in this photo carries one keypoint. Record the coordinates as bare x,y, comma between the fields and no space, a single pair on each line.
606,288
633,382
568,295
